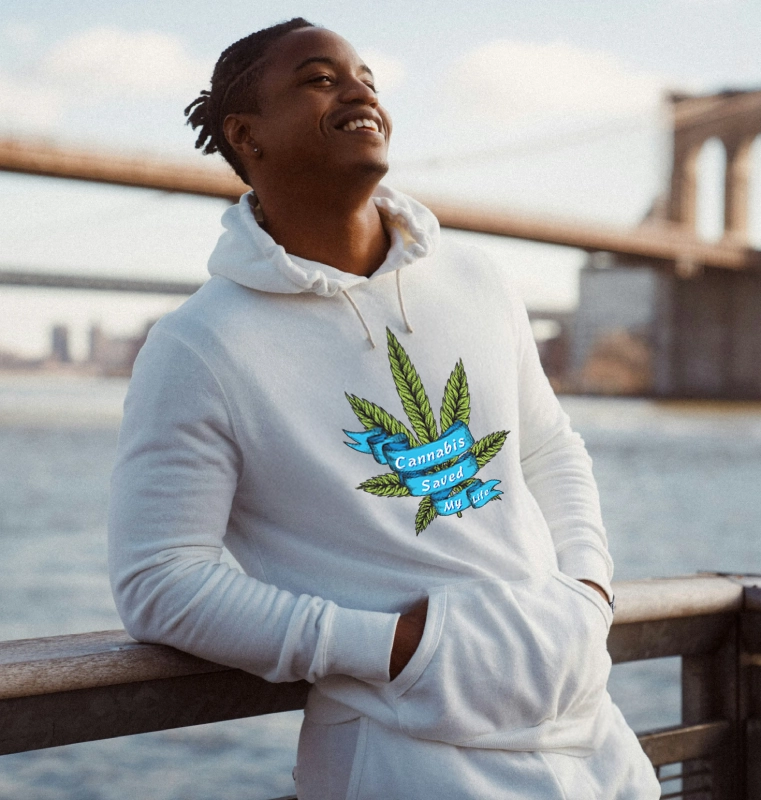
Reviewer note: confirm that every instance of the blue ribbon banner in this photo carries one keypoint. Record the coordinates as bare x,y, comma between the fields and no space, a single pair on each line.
416,466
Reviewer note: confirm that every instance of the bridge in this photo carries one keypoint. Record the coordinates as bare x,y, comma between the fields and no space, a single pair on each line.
698,303
666,243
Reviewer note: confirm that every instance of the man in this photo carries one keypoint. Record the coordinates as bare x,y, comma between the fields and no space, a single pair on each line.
438,571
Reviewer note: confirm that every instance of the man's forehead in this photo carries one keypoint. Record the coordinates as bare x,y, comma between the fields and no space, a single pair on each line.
306,46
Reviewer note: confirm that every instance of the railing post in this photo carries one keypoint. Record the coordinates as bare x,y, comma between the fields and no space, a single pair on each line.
750,689
710,692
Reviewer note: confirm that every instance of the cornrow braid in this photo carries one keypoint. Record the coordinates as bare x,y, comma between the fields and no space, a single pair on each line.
234,84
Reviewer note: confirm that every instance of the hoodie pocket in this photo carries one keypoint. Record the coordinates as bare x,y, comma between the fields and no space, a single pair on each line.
499,657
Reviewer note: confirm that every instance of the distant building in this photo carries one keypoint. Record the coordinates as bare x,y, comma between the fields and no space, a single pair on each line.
60,344
115,355
552,331
642,330
614,331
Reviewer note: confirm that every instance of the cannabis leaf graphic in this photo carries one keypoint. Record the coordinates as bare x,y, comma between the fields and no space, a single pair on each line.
386,485
456,403
455,407
485,449
415,401
372,416
426,514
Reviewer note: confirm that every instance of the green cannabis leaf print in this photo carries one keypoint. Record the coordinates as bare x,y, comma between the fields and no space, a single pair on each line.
386,485
372,416
426,514
485,449
455,408
456,402
415,401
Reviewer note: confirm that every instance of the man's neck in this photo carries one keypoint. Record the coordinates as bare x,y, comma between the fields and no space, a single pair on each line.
344,232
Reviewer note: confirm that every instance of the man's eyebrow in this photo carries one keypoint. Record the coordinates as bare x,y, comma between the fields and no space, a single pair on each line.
330,62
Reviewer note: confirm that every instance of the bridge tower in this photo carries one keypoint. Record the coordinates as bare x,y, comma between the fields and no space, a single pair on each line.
701,327
733,117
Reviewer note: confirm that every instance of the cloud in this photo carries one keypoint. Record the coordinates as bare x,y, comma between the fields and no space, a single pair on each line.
506,80
388,71
27,104
109,61
95,66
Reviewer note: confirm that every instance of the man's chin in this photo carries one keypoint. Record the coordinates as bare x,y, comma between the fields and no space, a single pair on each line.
378,168
355,171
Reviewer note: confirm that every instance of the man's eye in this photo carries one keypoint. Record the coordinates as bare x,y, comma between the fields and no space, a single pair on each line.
321,79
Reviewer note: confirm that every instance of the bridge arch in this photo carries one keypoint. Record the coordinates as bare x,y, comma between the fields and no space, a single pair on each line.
710,175
734,117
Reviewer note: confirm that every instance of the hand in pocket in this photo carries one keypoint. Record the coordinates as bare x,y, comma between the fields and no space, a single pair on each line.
498,657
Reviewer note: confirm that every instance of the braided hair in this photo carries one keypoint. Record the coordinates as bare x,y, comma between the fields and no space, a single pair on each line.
234,84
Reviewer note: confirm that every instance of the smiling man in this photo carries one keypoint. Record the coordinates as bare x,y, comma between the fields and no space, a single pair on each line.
418,525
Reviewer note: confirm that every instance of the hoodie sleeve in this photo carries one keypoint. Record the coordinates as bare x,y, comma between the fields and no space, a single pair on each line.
558,469
172,492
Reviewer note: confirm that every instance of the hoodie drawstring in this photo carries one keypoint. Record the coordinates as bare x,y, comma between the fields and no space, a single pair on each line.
361,318
346,294
401,301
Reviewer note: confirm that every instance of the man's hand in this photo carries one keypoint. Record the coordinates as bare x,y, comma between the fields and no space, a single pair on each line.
409,632
599,591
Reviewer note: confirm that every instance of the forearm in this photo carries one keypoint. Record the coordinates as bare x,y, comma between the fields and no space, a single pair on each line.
559,475
558,470
173,488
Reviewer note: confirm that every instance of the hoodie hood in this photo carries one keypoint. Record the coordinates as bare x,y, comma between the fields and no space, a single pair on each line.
248,255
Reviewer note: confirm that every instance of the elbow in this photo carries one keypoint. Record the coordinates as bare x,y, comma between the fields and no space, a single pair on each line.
167,598
138,614
147,594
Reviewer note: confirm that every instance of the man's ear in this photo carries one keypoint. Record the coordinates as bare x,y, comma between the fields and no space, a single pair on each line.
239,132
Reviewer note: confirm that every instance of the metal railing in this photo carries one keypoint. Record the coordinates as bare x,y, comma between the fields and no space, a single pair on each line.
67,689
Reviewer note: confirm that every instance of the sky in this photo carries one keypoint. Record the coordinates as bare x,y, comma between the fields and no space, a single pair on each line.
549,107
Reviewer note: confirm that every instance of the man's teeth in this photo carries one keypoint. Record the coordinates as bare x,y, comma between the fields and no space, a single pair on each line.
361,123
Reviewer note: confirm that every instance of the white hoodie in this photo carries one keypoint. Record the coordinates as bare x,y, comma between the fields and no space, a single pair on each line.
288,411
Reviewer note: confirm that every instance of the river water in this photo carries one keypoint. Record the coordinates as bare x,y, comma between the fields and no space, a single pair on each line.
681,492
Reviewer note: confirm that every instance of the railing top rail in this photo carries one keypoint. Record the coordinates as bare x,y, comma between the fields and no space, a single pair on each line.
672,598
31,667
83,661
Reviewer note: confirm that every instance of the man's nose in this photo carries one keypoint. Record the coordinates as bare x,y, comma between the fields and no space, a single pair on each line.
357,91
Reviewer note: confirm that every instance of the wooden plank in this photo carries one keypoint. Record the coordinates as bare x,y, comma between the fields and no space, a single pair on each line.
681,743
683,636
670,598
87,660
51,720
